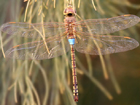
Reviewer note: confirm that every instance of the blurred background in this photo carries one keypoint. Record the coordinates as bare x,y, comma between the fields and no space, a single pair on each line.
49,81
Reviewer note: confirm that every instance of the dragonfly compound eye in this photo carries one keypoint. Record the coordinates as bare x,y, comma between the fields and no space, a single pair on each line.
65,12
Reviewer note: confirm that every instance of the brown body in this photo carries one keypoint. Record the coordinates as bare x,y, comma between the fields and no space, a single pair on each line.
70,26
70,29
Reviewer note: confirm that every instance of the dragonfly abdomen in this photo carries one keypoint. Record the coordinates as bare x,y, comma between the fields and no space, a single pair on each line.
74,74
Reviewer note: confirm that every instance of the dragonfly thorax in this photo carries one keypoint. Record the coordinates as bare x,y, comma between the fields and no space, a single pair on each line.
69,25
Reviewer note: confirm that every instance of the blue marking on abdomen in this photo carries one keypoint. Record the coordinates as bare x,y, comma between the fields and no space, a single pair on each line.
71,41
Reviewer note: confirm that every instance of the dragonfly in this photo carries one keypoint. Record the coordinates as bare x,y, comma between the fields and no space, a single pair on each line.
90,36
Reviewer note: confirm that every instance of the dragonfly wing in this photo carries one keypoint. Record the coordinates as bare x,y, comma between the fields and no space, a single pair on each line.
33,30
38,49
105,44
108,25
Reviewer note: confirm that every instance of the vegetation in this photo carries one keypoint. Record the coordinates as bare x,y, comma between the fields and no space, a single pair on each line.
49,82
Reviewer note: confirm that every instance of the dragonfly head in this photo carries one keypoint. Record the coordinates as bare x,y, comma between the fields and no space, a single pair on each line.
69,11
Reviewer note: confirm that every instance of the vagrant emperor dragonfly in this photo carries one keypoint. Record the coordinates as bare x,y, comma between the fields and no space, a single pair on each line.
85,36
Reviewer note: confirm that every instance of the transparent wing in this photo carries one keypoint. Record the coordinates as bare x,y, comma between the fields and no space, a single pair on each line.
108,25
106,44
38,50
33,30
